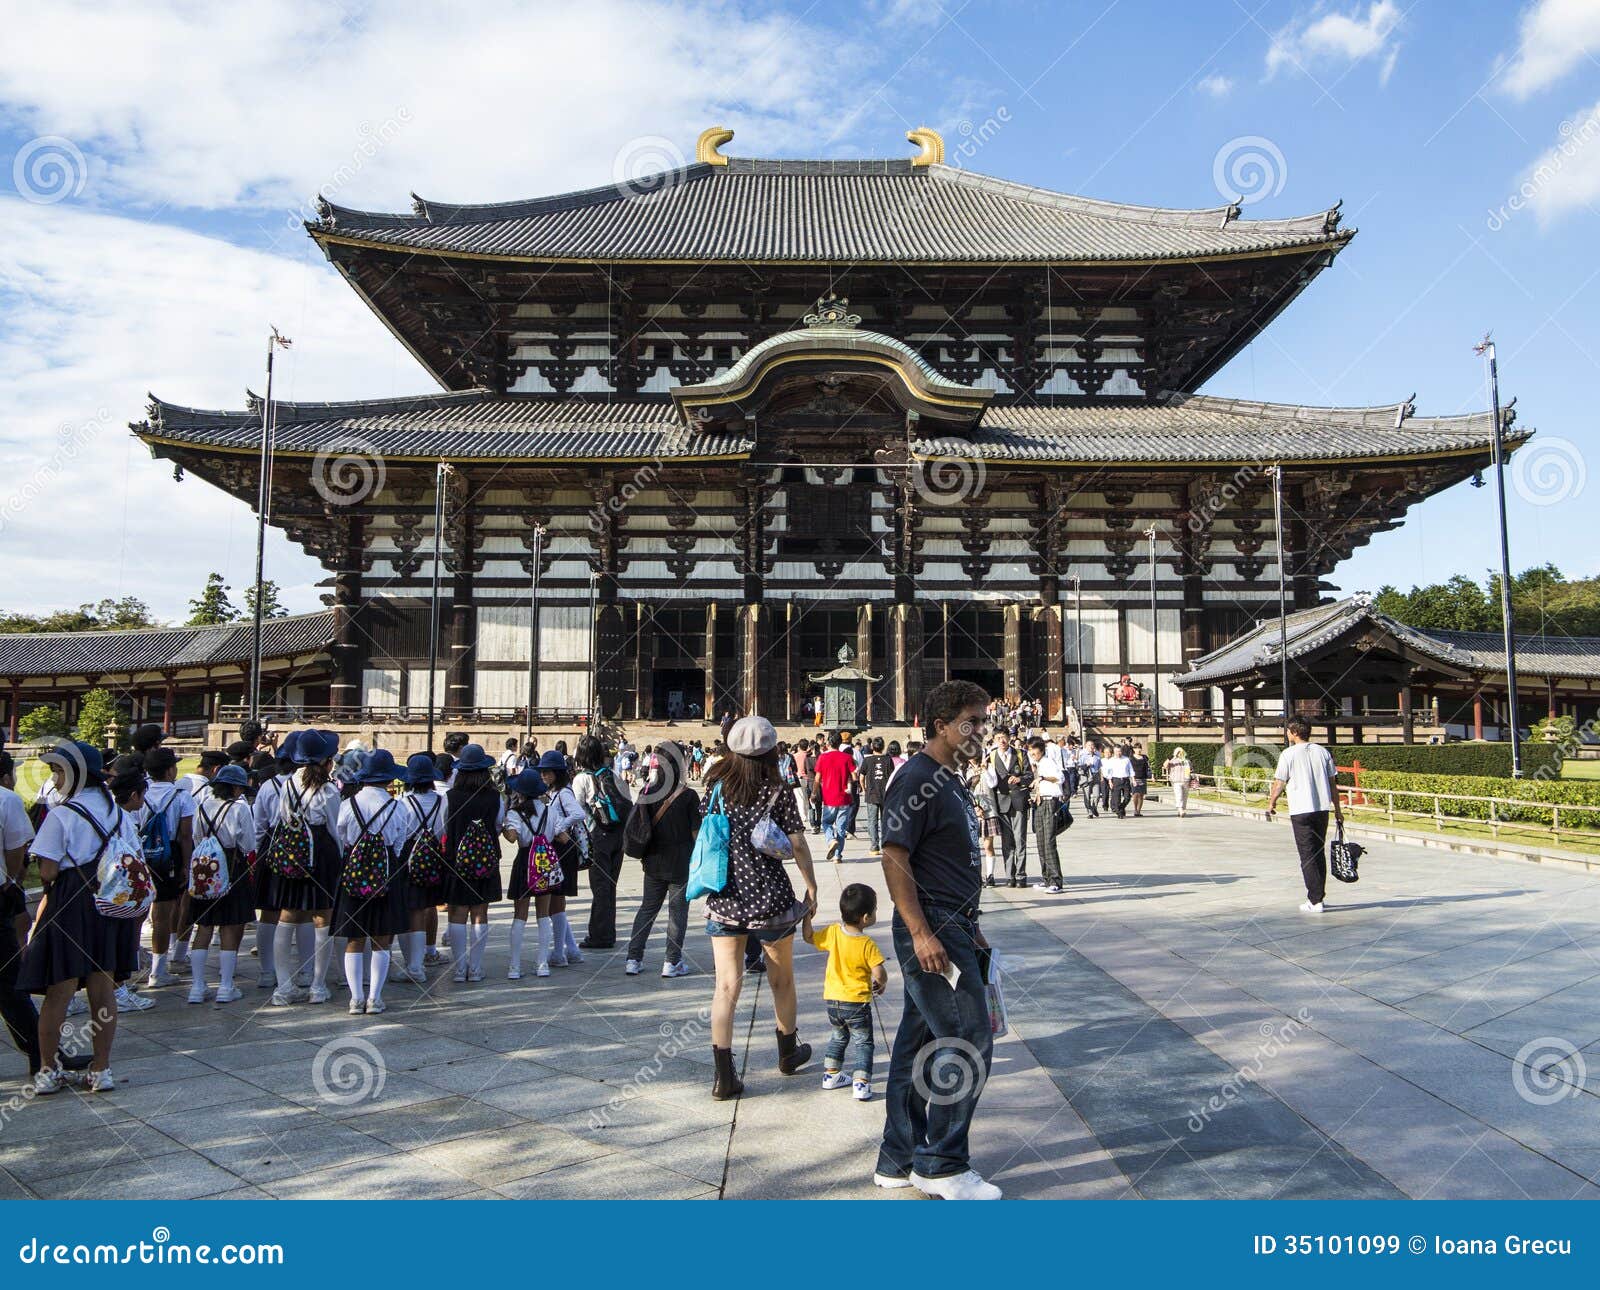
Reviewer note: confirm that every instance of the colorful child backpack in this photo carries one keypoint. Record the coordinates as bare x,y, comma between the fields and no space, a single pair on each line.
544,868
156,839
477,855
424,855
369,864
289,856
125,888
211,867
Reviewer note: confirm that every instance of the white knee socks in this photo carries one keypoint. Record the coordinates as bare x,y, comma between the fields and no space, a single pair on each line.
458,949
283,940
544,941
197,961
519,930
558,939
352,973
573,948
305,942
411,944
227,965
321,956
380,974
179,949
480,939
266,949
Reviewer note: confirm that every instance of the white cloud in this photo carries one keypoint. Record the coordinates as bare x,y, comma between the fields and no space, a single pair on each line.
1566,178
1216,85
228,106
1553,38
97,309
1331,39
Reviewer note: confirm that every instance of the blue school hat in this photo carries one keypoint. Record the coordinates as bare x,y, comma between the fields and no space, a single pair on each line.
377,768
287,746
420,768
527,783
314,746
232,774
472,757
68,753
553,760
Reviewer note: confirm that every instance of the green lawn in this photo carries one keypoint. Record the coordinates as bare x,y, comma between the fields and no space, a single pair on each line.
1573,768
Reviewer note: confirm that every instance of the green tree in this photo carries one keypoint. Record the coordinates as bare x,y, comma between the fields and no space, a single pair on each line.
128,612
99,721
1544,601
271,606
46,721
212,606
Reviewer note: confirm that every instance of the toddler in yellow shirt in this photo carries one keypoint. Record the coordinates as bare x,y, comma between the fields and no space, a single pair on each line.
855,973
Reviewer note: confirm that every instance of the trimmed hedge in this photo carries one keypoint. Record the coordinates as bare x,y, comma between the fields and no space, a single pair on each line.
1481,760
1566,791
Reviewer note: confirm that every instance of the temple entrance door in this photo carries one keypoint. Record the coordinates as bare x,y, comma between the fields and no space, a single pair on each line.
992,679
677,693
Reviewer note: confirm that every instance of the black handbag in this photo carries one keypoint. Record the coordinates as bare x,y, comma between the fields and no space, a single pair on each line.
1063,816
1343,858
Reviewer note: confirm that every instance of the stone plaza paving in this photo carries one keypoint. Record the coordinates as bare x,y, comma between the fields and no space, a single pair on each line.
1179,1030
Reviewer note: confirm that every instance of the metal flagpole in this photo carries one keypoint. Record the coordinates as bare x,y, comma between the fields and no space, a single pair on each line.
533,626
441,472
1507,622
1155,640
1283,599
263,505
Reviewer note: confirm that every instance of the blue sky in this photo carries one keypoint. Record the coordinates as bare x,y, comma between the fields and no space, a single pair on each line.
158,159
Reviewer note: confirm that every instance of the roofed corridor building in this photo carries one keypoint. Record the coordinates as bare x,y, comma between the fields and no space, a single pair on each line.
736,414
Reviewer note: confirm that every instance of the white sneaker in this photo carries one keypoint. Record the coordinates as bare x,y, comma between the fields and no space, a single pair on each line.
99,1081
558,960
861,1090
1306,907
459,976
282,998
890,1182
542,970
633,967
967,1186
50,1079
78,1006
514,972
574,954
267,981
475,977
835,1079
679,968
357,1007
158,979
375,1006
318,994
197,993
128,1001
231,995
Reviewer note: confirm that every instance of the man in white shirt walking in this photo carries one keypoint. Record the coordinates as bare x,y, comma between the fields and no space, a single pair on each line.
1307,771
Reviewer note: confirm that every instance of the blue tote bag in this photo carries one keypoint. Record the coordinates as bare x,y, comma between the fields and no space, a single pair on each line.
708,867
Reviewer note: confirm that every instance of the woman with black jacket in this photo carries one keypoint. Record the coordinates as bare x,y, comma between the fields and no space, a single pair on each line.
660,833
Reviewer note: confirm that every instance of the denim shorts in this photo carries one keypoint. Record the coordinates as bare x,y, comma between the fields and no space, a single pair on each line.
765,935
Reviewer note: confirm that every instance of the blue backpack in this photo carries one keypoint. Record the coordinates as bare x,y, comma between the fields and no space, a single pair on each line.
155,840
708,867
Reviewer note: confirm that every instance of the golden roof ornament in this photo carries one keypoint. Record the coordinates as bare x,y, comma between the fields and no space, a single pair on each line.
932,144
705,147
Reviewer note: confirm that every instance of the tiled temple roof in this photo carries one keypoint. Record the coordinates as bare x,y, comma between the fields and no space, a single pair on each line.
159,649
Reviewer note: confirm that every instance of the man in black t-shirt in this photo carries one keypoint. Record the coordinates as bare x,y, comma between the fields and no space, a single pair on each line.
942,1048
876,767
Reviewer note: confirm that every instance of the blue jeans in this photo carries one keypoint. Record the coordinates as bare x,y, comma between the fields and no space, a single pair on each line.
834,819
941,1055
874,813
852,1033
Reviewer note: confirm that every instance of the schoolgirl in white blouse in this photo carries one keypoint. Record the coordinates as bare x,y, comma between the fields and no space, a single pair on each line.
307,798
376,920
226,816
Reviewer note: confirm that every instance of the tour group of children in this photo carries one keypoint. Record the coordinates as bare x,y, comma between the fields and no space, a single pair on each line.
311,848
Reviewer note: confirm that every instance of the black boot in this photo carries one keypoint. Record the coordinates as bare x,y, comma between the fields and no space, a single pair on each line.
726,1084
792,1054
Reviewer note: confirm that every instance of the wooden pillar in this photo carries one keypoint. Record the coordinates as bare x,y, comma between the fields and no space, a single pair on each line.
1227,715
644,650
1048,641
712,706
460,632
15,714
1011,621
1408,725
864,658
1192,616
1550,697
169,701
1249,719
754,627
1477,715
906,634
349,652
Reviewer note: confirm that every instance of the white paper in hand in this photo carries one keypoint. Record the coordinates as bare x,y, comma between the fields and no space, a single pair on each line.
951,974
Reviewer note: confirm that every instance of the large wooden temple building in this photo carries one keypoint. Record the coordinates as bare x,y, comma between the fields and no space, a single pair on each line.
703,429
